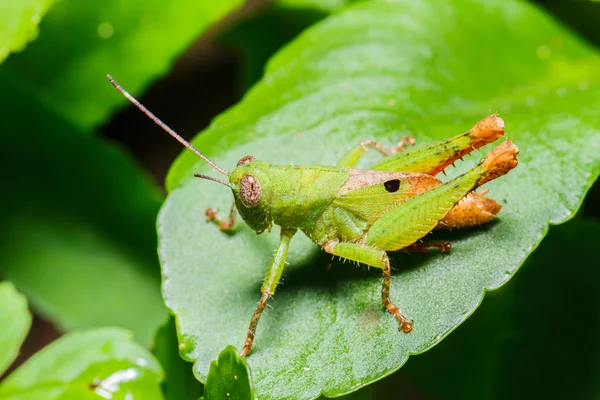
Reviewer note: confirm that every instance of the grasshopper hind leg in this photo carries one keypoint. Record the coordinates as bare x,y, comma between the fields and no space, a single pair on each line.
376,258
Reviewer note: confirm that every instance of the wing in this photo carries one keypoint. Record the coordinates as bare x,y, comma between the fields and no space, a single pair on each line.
370,194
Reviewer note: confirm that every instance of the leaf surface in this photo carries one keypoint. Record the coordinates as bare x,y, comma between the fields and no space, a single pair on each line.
380,70
530,332
15,321
96,364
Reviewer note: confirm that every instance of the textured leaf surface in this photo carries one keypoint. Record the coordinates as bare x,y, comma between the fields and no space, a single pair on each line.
135,41
77,229
378,71
96,364
15,321
529,333
19,23
228,378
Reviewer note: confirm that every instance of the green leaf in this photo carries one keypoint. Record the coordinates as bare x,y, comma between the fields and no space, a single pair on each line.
15,321
19,23
179,383
258,38
229,378
541,327
78,230
95,364
380,70
323,5
135,40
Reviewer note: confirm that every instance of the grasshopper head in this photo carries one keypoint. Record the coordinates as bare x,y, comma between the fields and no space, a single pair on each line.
251,188
249,181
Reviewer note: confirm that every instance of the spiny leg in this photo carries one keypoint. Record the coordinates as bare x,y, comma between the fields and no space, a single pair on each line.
253,323
269,285
353,155
224,225
376,258
433,158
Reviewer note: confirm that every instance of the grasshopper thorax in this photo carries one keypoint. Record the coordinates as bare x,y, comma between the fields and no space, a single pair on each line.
252,192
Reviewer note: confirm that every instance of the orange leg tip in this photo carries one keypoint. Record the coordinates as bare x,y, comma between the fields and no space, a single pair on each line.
407,326
210,214
446,247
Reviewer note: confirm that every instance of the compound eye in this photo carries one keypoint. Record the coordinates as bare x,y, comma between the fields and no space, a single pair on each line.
250,191
245,160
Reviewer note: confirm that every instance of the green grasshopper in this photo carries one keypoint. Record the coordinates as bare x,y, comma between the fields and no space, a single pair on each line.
357,214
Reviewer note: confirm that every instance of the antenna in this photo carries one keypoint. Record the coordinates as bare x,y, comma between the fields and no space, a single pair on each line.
166,128
210,178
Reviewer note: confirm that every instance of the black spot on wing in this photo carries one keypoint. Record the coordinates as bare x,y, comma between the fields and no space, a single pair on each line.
392,185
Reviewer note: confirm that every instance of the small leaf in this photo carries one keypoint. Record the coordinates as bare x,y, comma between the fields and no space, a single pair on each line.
179,383
229,378
95,364
82,41
380,70
15,321
77,222
19,23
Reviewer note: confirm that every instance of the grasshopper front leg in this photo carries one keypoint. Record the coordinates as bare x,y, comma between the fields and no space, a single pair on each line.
224,225
376,258
269,285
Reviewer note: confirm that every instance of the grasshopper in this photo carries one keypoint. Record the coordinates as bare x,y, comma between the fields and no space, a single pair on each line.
361,215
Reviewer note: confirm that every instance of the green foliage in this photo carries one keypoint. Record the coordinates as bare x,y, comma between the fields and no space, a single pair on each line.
526,340
258,38
78,215
179,380
324,5
98,239
15,321
380,70
229,378
19,23
82,41
95,364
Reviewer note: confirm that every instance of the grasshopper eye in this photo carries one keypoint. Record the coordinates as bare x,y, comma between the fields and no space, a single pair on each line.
245,160
250,191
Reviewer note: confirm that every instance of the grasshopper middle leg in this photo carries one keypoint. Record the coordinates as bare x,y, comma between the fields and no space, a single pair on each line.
376,258
269,285
350,159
